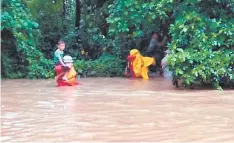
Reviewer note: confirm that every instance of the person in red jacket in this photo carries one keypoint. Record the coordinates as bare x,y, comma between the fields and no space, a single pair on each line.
129,69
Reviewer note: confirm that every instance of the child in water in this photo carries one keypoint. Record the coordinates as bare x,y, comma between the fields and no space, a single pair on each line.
167,74
58,55
164,60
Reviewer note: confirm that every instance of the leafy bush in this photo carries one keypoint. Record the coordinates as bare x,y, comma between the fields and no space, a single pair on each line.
105,66
29,61
202,45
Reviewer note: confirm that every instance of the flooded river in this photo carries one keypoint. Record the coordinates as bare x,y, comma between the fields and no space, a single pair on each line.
114,110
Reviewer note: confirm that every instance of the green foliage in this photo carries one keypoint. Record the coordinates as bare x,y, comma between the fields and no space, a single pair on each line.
202,47
95,36
201,35
136,17
132,21
39,8
17,20
53,24
106,65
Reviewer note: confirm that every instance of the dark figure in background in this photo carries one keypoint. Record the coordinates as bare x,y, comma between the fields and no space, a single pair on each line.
155,49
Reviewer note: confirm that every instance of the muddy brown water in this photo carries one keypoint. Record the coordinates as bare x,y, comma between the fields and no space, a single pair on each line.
114,110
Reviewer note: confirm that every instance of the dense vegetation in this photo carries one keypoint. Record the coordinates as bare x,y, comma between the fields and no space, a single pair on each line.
99,34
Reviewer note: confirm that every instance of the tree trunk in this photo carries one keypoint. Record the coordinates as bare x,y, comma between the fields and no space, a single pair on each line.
78,13
64,8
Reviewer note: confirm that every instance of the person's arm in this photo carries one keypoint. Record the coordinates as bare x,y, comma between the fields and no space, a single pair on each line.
163,41
61,61
163,63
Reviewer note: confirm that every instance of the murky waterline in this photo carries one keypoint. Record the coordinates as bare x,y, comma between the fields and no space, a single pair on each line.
114,109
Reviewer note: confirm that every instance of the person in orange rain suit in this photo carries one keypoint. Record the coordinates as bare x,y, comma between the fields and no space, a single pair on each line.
70,75
140,64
